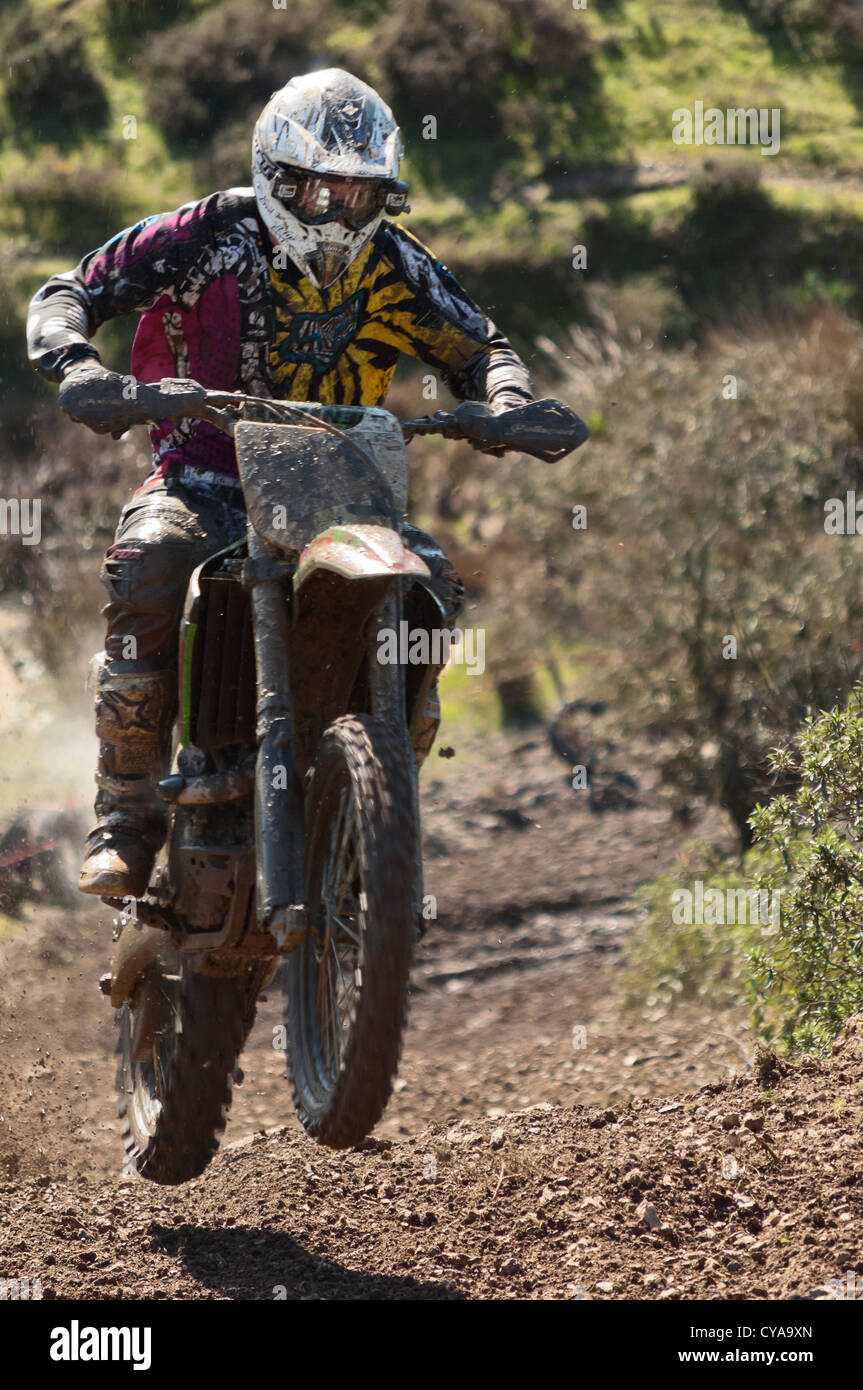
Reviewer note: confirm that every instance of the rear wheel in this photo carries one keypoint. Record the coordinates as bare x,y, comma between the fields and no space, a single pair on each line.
181,1035
347,984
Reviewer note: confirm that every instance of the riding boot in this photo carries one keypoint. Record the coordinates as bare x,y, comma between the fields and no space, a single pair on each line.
134,716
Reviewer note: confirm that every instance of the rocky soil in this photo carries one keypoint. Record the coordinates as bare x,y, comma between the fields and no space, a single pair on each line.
539,1144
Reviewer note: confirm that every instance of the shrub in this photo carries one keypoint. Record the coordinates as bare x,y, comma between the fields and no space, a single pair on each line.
506,68
127,20
821,28
431,49
792,955
668,961
510,70
844,22
737,249
801,973
704,572
17,381
225,63
811,977
729,205
67,201
52,91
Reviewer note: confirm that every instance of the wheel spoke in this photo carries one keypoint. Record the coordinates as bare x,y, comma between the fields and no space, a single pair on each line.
338,851
347,980
324,1010
346,884
350,929
336,980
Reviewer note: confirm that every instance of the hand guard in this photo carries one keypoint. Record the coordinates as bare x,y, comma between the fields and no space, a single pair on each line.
547,428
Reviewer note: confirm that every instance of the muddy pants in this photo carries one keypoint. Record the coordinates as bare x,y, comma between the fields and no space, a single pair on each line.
171,527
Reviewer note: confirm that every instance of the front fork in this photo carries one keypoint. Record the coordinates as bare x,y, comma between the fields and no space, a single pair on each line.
279,812
278,793
387,690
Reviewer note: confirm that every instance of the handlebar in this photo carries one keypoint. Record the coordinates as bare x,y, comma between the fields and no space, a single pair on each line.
546,428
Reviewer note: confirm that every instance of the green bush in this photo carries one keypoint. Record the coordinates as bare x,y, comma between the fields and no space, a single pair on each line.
442,53
799,967
733,242
498,70
667,961
729,206
507,71
18,382
811,977
844,22
734,254
67,202
810,28
52,92
226,62
127,20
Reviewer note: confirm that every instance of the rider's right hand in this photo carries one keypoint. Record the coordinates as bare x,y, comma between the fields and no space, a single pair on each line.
94,396
109,403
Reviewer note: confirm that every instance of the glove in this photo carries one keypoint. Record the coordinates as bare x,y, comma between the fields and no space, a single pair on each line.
109,403
90,393
547,429
503,403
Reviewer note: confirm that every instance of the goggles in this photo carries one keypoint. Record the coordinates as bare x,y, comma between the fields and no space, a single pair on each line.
316,198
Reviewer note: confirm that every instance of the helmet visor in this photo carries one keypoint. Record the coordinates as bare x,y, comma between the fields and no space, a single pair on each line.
317,198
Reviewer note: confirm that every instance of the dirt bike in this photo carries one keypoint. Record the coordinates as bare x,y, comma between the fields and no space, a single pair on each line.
293,810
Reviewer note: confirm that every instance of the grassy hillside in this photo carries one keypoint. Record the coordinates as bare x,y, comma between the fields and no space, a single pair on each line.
553,127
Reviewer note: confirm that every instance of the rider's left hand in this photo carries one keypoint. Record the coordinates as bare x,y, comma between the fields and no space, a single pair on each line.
503,403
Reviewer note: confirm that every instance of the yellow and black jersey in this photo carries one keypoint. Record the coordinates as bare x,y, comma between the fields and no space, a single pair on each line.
341,344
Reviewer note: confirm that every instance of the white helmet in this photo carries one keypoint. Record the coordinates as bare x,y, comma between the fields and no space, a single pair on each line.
325,160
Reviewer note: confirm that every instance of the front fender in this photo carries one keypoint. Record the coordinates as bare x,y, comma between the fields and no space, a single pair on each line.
359,552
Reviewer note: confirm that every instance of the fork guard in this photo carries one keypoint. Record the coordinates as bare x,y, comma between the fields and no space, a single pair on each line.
359,552
137,947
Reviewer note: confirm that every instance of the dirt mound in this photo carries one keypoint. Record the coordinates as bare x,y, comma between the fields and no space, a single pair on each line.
746,1190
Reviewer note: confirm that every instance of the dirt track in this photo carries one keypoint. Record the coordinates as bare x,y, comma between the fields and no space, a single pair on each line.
532,893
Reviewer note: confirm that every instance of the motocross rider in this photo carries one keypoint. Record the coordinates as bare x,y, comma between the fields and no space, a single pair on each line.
299,288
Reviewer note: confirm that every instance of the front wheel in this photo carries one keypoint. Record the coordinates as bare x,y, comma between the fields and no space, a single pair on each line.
347,984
